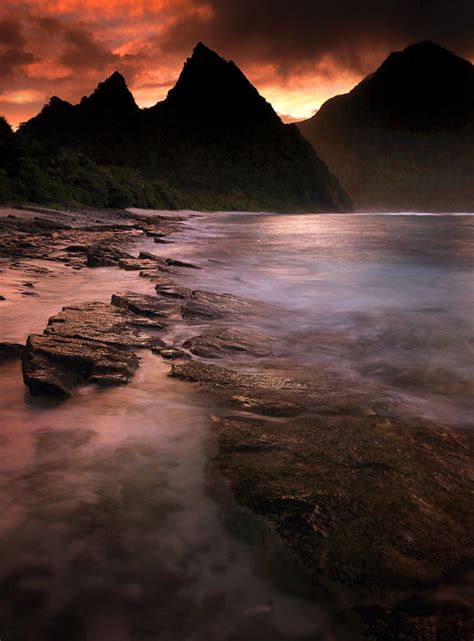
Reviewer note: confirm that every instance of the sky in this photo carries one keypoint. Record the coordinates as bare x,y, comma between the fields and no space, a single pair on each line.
298,53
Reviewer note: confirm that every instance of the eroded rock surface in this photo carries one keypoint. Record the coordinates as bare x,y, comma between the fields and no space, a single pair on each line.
374,510
106,323
91,343
56,364
211,305
78,238
229,341
142,304
377,512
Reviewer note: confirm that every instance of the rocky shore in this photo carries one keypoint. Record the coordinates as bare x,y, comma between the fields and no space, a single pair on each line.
374,511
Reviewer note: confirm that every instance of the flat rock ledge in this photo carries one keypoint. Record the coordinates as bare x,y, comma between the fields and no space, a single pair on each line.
90,343
377,512
228,342
56,365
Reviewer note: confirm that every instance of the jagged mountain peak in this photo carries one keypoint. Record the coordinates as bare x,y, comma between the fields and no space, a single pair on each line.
112,95
203,51
215,89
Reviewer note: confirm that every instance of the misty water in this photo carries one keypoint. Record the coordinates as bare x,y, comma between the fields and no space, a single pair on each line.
386,300
109,529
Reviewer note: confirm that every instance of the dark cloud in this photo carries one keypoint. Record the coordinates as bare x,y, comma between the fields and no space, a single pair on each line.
13,59
11,36
292,34
13,56
82,50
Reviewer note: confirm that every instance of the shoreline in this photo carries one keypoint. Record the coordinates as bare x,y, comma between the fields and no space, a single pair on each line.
363,501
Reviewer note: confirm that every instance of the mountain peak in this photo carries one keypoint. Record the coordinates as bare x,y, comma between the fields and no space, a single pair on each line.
425,54
211,88
427,47
423,86
112,95
201,49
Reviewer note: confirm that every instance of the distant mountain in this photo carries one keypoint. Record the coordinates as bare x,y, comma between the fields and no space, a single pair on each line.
213,143
403,139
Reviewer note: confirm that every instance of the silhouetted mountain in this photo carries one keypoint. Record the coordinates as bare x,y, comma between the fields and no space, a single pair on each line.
213,143
111,99
403,139
213,91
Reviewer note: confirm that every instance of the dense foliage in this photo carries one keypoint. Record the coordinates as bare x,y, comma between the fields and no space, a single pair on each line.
42,172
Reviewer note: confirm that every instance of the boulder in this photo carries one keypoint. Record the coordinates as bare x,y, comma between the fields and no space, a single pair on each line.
56,364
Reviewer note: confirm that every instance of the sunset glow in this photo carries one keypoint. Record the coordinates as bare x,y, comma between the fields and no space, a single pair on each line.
65,47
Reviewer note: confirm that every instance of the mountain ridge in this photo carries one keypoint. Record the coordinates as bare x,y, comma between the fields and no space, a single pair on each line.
402,138
213,143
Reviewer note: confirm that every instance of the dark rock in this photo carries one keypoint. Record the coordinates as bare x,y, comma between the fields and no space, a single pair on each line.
77,249
137,264
230,341
105,323
152,257
10,351
105,256
180,263
210,305
2,297
56,364
171,353
374,510
173,291
262,393
142,304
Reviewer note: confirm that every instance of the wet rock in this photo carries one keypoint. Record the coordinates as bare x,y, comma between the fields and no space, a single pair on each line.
263,393
142,304
105,323
228,342
209,305
138,264
155,260
180,263
173,291
56,364
10,351
170,262
155,234
105,256
29,294
2,297
171,353
76,249
374,510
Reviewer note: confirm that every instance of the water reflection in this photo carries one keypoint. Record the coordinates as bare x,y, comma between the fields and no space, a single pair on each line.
108,532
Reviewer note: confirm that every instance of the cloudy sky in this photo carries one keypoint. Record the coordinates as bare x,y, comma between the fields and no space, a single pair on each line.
297,52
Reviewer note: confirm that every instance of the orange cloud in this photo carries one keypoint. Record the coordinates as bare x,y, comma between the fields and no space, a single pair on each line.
297,54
